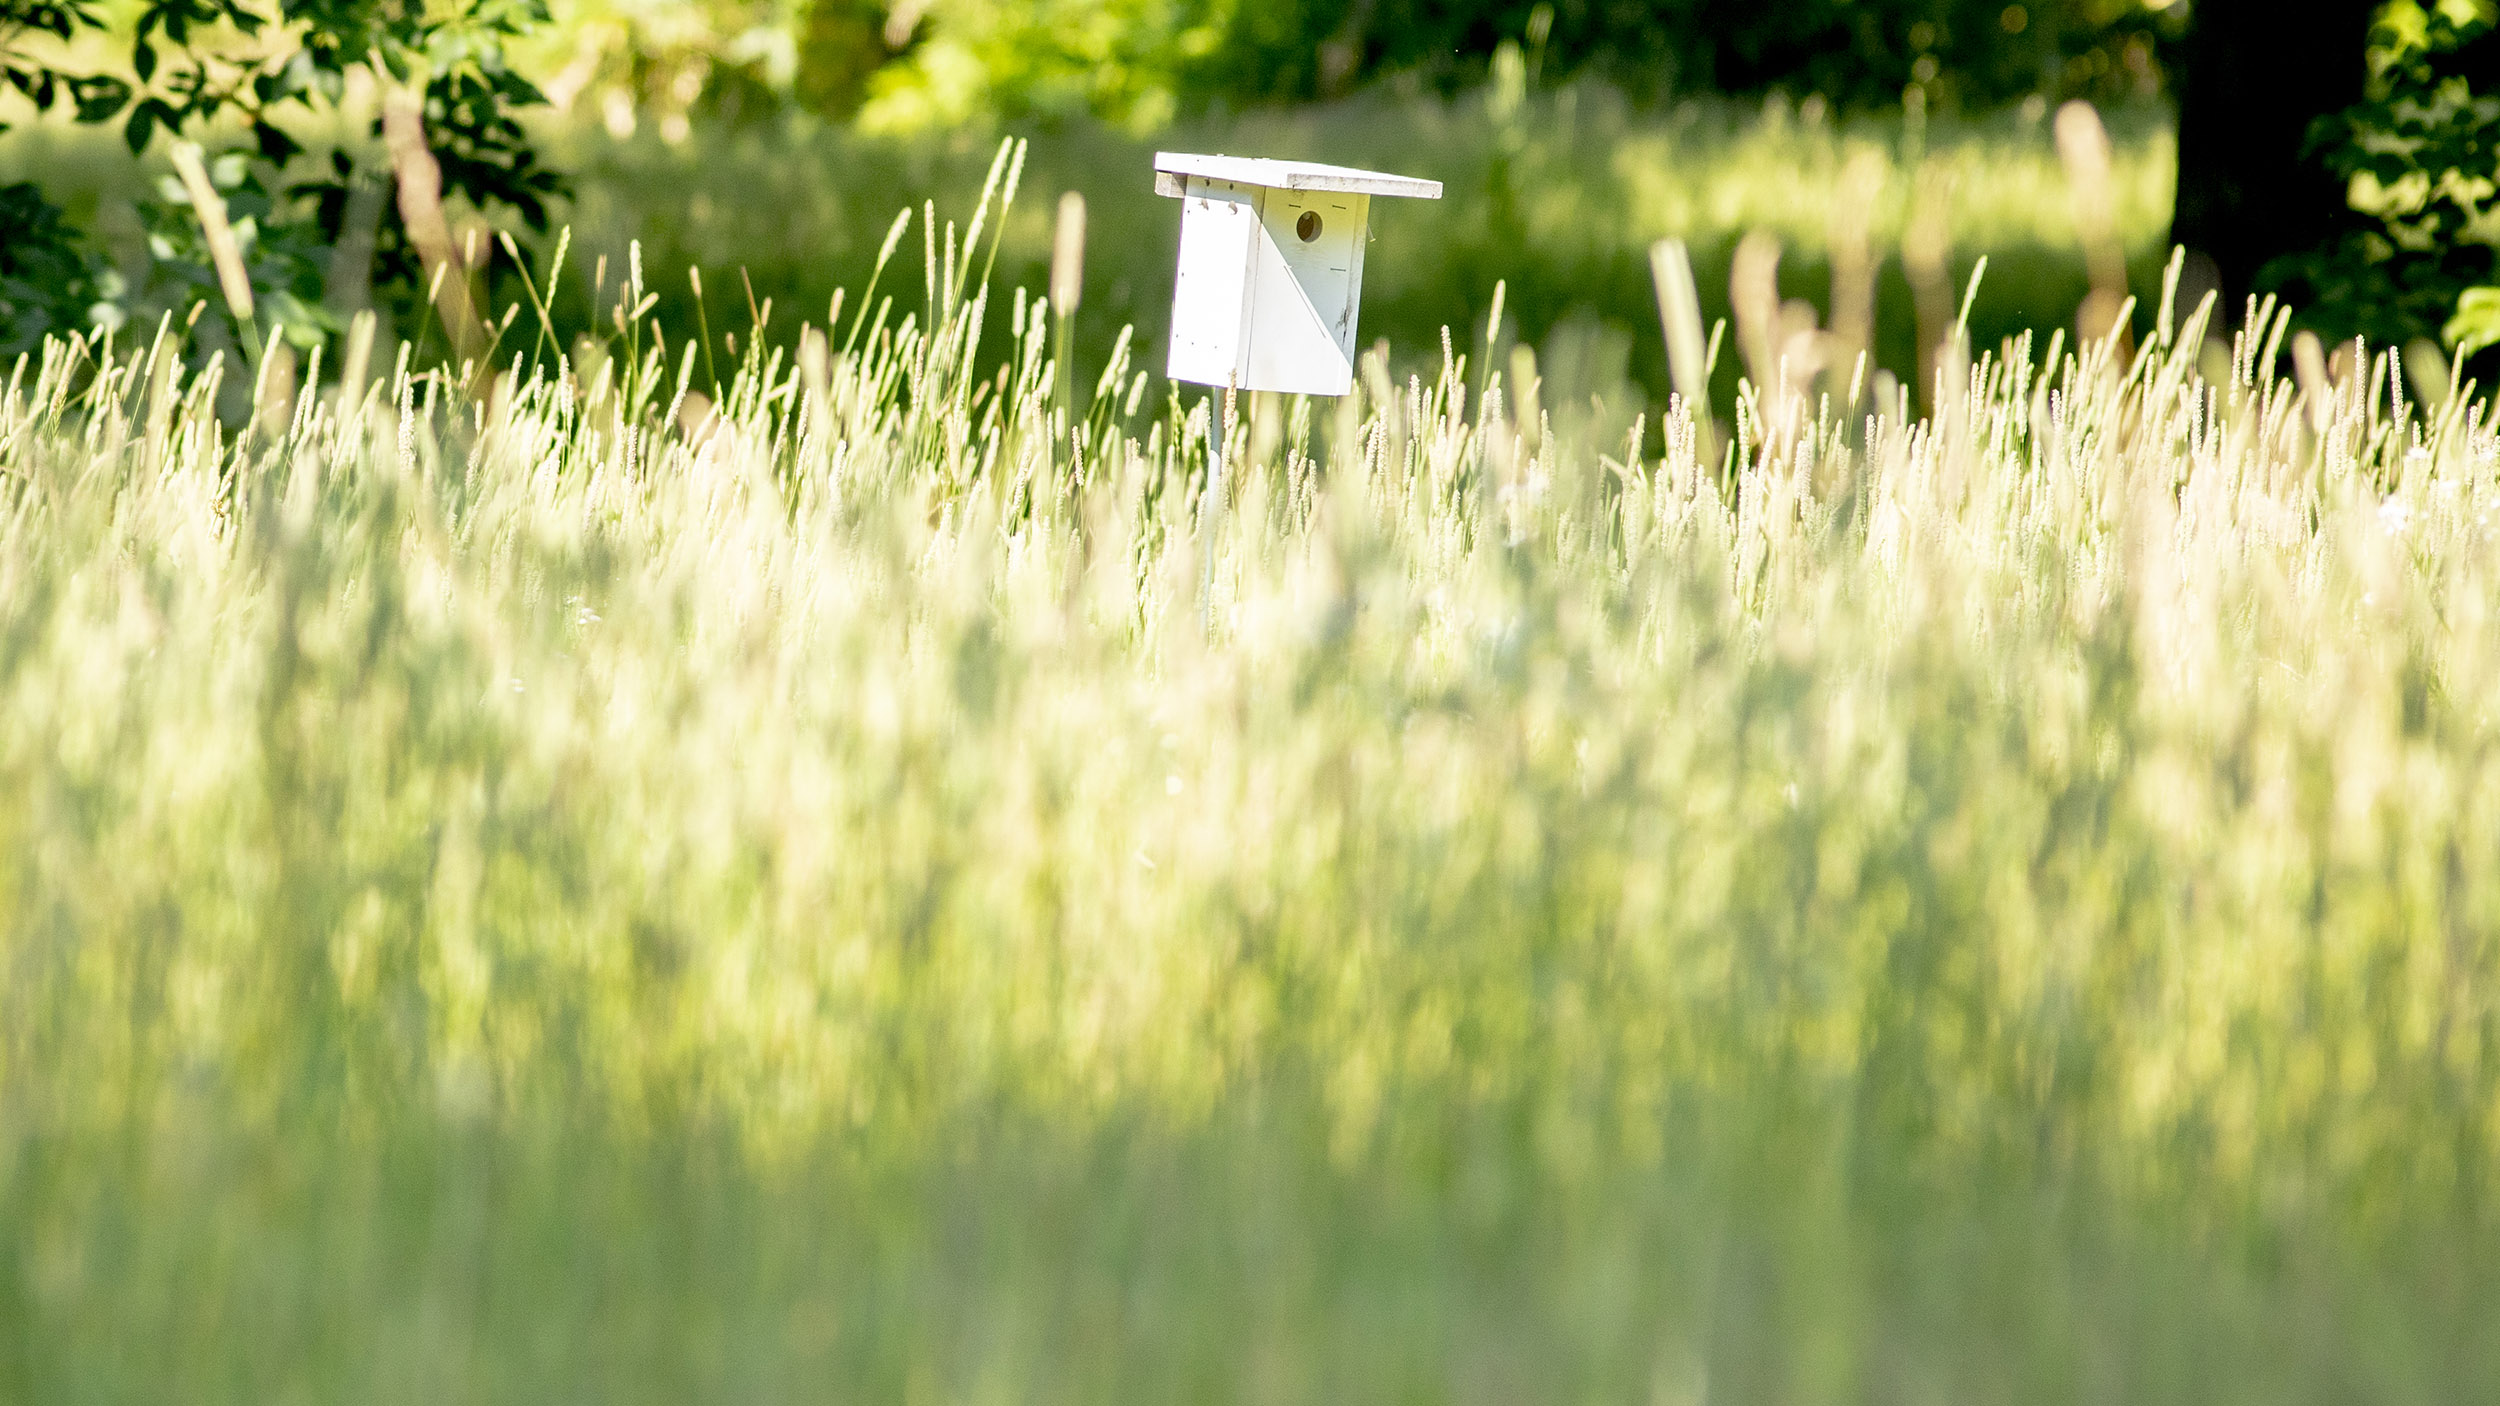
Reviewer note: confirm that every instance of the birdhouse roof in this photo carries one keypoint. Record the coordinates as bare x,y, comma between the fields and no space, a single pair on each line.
1170,166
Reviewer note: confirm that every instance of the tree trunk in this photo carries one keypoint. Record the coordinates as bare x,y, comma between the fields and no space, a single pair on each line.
2255,75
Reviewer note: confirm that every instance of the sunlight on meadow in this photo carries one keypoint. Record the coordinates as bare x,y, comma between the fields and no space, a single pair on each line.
582,882
1580,177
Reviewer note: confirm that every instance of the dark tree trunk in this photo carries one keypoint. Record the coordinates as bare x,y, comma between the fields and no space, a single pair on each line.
2255,75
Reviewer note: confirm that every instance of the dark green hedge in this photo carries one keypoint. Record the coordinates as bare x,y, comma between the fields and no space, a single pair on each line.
1854,52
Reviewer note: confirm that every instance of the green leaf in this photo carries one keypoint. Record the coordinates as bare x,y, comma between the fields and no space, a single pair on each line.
98,97
2477,323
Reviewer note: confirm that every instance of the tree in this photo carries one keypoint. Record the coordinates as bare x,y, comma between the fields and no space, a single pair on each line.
270,67
2344,156
2418,161
2254,79
47,278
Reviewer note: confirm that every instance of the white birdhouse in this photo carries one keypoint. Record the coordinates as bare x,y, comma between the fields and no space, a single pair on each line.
1271,269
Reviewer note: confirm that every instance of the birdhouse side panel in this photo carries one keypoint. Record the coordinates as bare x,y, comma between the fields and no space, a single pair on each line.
1306,287
1211,296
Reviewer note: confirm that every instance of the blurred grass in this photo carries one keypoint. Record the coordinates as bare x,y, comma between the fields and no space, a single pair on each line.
870,889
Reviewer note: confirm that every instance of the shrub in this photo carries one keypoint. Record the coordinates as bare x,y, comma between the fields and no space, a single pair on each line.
275,67
2419,157
47,275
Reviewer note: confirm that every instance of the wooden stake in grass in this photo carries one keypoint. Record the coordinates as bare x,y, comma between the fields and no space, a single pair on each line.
816,376
1679,317
1850,235
1926,258
2317,394
1754,292
358,362
2083,149
273,385
1067,286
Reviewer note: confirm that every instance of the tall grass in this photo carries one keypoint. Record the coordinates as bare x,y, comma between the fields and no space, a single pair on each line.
1579,176
581,883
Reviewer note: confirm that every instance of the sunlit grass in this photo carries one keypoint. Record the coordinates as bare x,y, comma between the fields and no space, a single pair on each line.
850,884
1559,192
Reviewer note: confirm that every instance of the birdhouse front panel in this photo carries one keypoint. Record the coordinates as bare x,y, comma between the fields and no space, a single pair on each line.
1271,269
1306,281
1270,281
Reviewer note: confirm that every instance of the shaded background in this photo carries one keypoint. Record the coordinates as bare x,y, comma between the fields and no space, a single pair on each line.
770,142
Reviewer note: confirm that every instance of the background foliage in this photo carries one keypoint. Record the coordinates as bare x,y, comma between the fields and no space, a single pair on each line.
2422,160
273,74
1140,62
935,73
1581,176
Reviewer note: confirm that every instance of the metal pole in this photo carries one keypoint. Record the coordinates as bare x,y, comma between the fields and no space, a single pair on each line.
1211,512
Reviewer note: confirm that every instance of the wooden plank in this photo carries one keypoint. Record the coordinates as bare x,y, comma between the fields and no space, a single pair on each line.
1210,296
1288,175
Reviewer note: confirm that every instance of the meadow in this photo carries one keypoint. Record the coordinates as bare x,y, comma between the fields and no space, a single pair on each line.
796,208
1556,192
855,870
